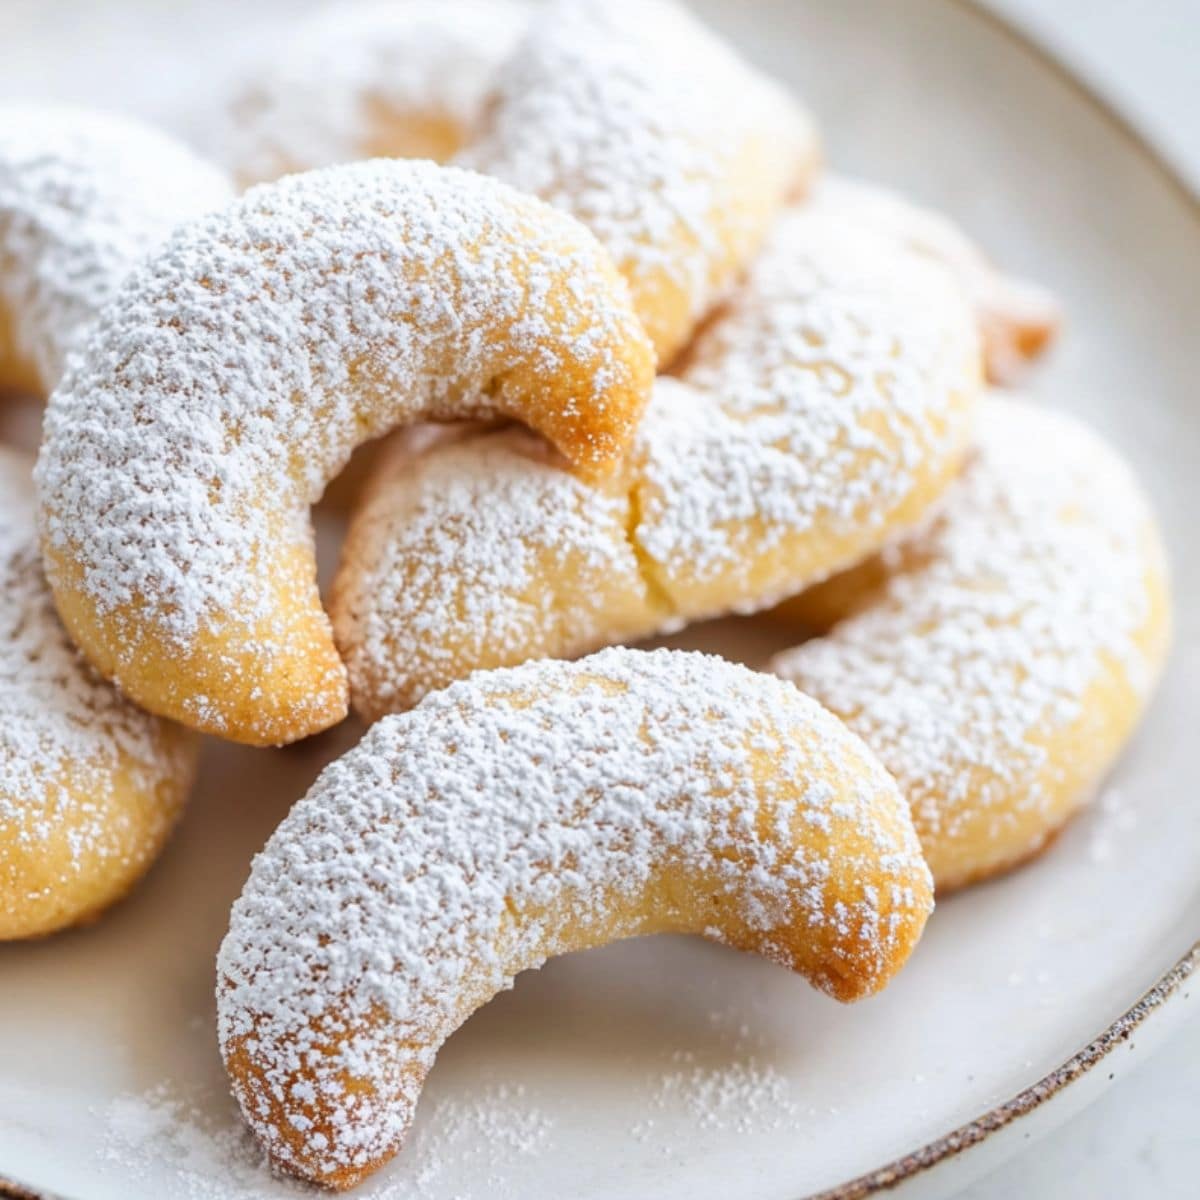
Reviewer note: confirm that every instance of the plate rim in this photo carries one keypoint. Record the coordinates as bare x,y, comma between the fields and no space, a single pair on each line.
974,1133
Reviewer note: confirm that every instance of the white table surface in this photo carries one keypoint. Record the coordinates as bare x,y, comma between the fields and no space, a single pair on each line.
1142,1140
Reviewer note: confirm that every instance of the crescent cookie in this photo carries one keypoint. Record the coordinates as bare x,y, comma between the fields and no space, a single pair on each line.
1018,320
89,785
403,79
1000,660
83,196
829,404
527,813
243,363
676,153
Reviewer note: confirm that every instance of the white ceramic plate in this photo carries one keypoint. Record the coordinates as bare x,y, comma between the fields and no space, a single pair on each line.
670,1067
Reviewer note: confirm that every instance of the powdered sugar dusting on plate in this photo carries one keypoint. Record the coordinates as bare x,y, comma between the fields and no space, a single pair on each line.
1114,819
157,1131
209,1153
733,1087
724,1084
739,1098
495,1127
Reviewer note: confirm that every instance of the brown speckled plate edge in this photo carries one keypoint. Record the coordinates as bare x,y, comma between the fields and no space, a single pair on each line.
974,1132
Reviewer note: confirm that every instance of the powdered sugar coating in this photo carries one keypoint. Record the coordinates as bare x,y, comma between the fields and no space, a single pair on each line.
841,370
89,784
83,197
829,402
351,81
245,360
1018,319
1041,575
527,812
445,569
654,133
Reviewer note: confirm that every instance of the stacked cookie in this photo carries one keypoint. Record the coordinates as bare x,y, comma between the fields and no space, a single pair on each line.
675,374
